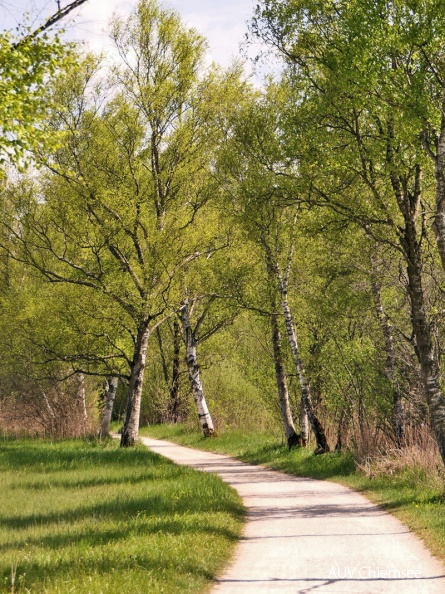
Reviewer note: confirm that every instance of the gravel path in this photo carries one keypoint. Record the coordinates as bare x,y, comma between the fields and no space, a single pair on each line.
310,536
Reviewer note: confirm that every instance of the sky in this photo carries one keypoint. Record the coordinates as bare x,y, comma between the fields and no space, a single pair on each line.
222,22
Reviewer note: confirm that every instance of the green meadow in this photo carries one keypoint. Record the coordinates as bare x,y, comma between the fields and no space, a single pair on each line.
90,517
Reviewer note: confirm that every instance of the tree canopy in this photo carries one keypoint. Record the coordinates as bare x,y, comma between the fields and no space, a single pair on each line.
28,59
270,256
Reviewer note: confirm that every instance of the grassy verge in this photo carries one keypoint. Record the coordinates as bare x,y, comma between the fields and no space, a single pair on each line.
88,517
408,492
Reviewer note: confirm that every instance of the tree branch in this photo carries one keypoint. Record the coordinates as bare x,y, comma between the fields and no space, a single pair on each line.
55,18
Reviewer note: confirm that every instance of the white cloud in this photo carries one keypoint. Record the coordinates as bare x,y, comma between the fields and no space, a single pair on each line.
221,22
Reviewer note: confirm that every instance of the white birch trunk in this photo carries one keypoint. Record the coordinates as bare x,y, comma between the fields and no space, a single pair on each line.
275,276
280,374
130,430
108,408
53,422
320,437
205,420
304,423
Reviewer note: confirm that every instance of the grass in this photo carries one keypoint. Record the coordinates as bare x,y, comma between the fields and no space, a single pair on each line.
89,517
405,490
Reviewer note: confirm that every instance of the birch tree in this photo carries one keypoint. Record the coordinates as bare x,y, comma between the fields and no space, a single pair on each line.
208,307
282,384
256,178
281,279
191,342
351,75
390,366
135,169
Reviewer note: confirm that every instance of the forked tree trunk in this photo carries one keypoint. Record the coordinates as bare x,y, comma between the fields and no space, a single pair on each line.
205,420
398,412
130,430
317,427
108,408
280,374
276,277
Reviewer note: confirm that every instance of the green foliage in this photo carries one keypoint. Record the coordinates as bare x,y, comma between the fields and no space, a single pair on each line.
26,66
88,517
184,180
238,375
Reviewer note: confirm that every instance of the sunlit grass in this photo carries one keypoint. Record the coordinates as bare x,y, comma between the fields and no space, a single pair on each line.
409,493
89,517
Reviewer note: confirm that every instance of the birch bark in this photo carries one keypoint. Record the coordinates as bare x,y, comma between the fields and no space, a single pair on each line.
274,274
409,204
130,430
205,420
304,423
439,159
52,416
108,408
317,427
283,392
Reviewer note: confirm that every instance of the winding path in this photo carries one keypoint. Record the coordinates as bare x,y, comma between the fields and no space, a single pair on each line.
312,537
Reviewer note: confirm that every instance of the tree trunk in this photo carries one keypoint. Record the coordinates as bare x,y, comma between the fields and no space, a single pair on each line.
130,430
426,354
173,382
439,219
304,423
398,412
317,427
204,417
52,426
276,277
164,366
409,204
108,408
81,397
339,444
174,387
283,392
